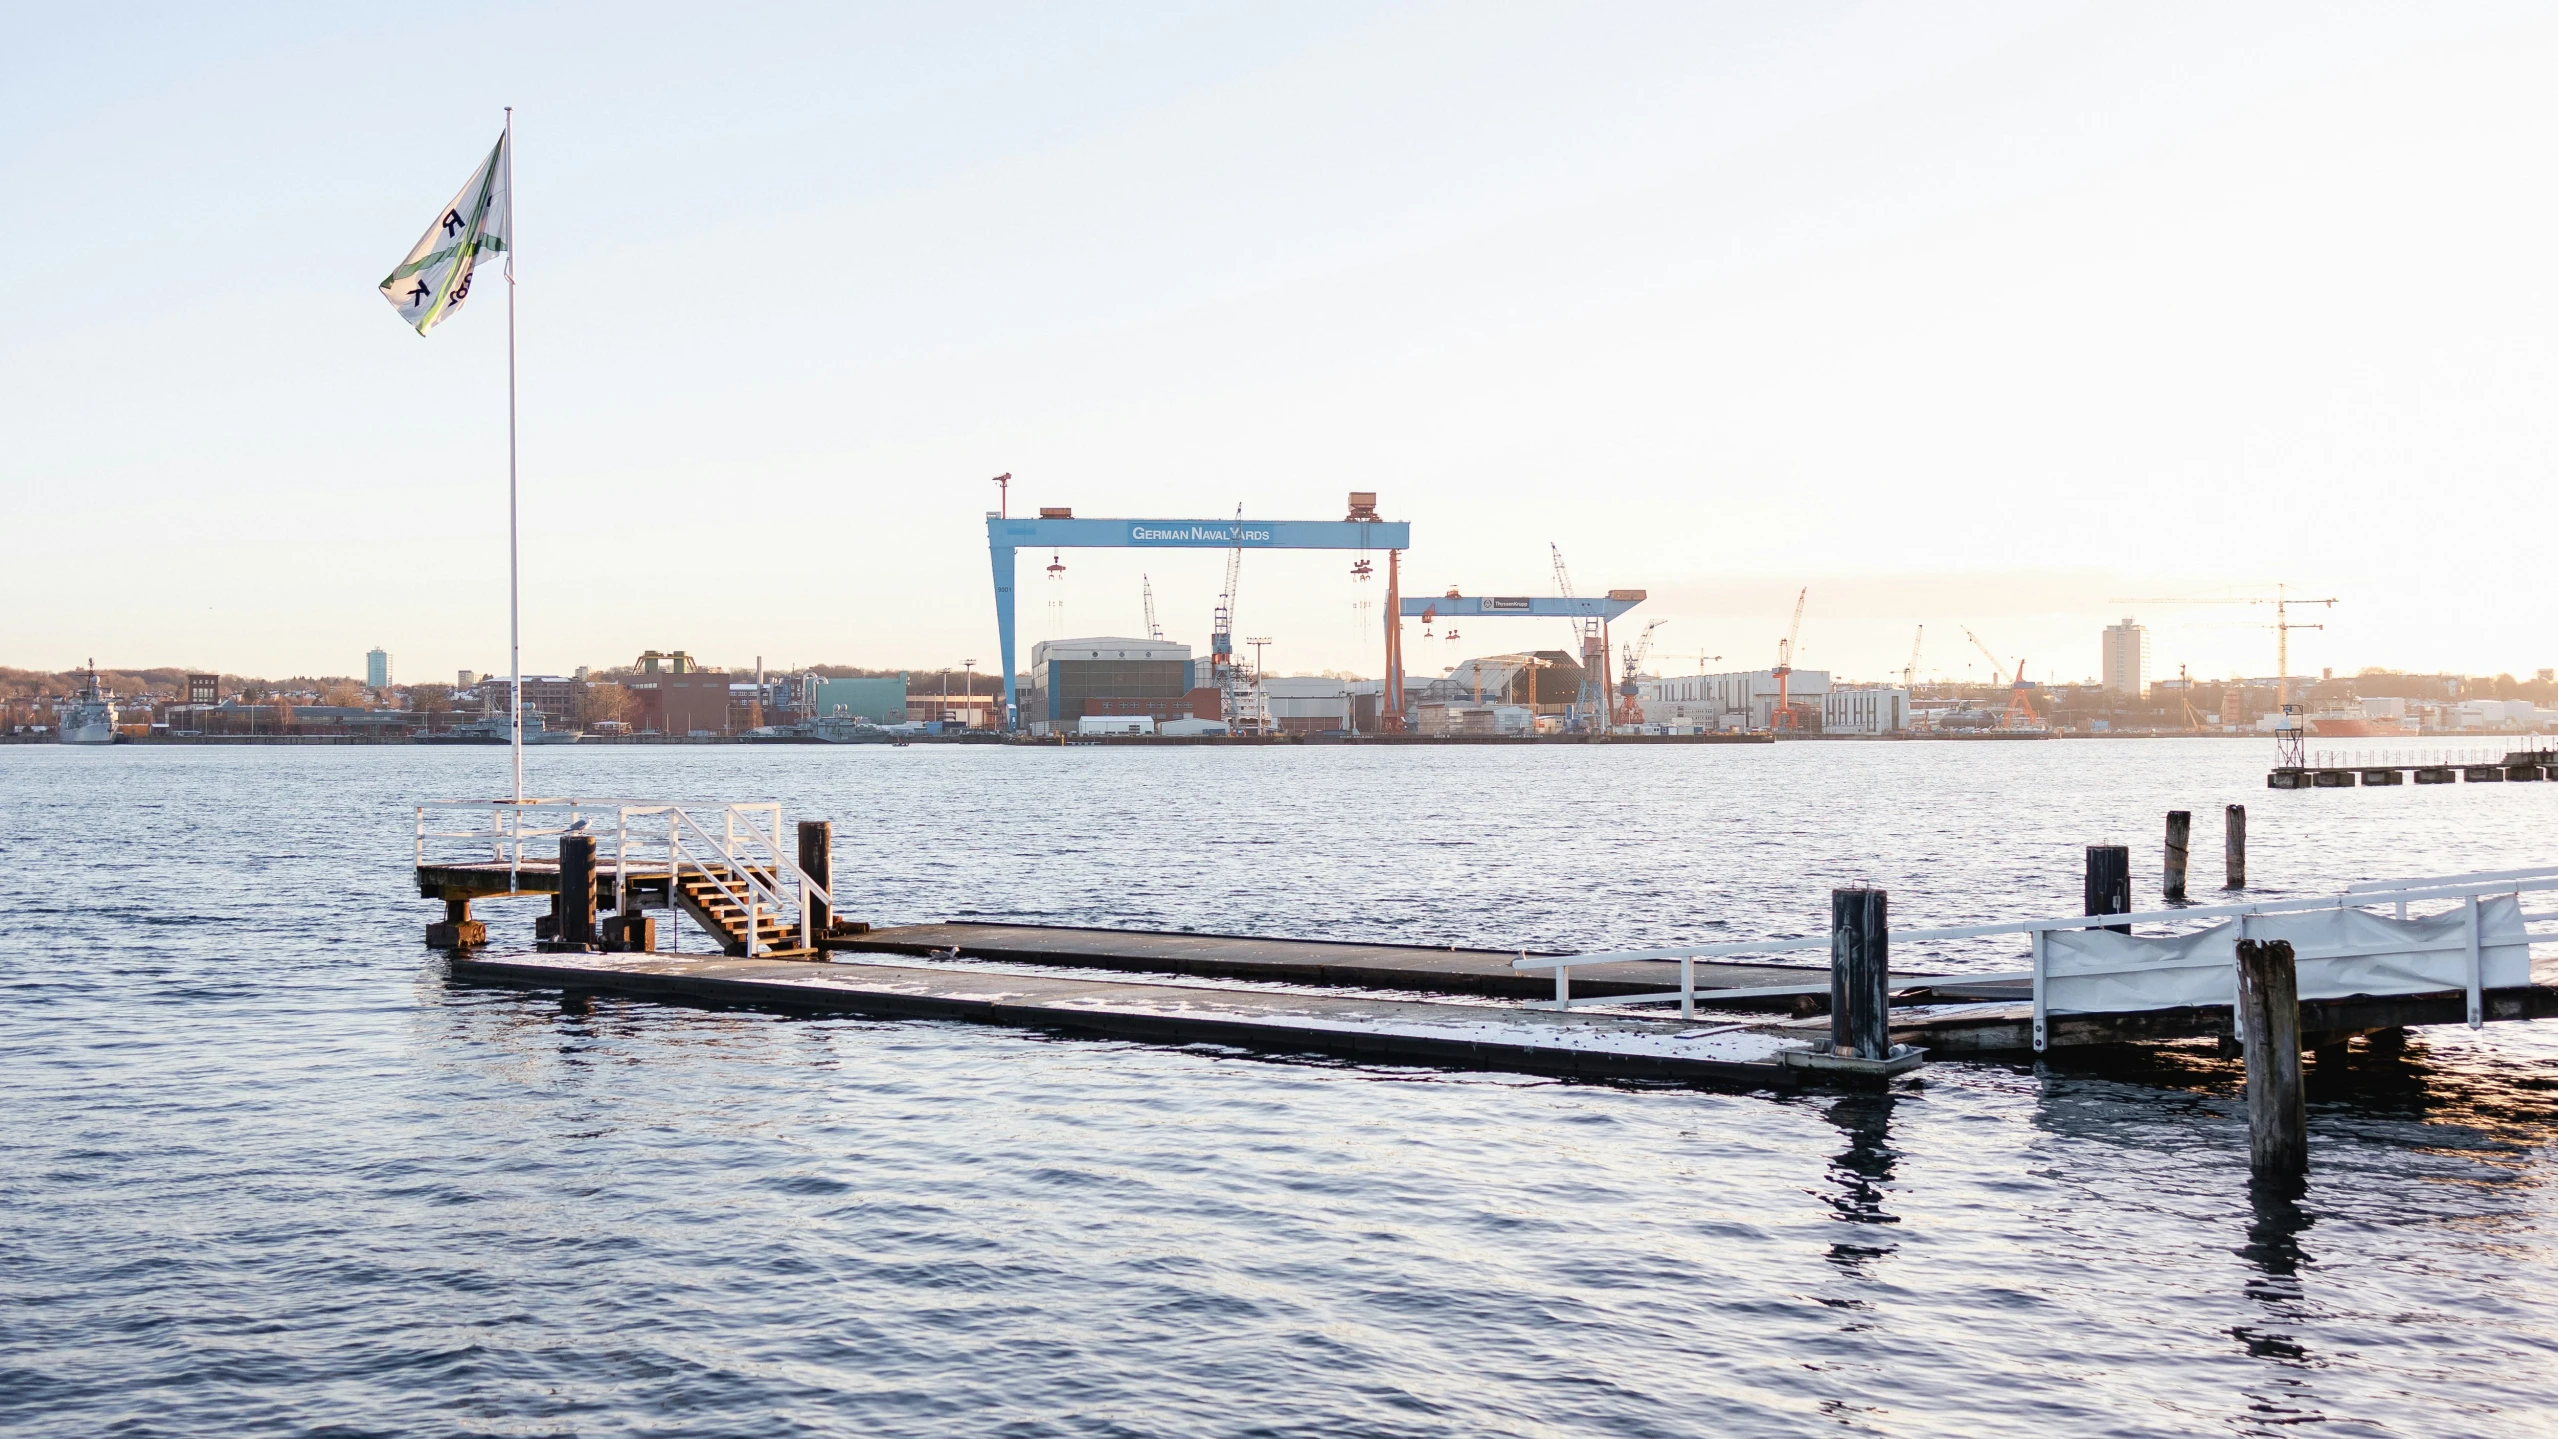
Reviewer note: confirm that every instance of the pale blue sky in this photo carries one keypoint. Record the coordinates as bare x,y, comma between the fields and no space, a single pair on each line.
1976,314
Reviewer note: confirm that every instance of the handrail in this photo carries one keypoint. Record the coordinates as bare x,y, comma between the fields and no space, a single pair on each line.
743,859
2468,889
2454,887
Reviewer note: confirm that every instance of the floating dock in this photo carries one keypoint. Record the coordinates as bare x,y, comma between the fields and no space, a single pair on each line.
768,904
1367,1028
2519,767
1324,962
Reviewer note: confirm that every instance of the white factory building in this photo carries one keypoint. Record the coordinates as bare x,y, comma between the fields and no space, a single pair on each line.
1865,709
1744,700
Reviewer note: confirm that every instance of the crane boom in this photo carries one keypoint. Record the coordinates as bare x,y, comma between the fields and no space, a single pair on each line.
1146,587
1592,637
1997,666
1909,672
2282,601
1785,651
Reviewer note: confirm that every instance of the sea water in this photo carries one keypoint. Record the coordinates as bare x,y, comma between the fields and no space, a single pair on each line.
265,1171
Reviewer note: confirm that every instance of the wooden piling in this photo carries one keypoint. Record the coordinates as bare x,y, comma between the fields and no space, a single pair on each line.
576,907
2180,830
2269,1027
817,861
2108,888
1860,974
458,931
2234,845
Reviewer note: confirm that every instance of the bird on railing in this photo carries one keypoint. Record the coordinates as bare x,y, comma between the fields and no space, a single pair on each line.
577,828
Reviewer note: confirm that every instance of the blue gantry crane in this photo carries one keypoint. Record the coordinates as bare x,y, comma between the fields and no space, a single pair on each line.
1057,529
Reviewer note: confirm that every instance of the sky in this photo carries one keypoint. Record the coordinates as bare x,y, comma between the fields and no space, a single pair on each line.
2019,318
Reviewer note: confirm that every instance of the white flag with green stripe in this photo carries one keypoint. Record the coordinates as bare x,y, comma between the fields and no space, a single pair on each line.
436,277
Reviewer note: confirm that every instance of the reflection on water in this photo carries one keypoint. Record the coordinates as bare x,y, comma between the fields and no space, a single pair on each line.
1860,1175
268,1173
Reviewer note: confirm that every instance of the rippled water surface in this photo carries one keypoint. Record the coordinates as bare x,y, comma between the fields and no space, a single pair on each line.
265,1172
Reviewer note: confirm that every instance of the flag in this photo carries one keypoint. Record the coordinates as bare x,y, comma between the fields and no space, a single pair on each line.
436,277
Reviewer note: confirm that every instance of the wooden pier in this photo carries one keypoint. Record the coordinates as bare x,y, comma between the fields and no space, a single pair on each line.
1367,1028
1349,964
2118,977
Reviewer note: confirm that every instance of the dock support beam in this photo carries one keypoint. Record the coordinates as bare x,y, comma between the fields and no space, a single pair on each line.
2234,845
459,931
2269,1026
1860,974
817,861
2180,833
2109,882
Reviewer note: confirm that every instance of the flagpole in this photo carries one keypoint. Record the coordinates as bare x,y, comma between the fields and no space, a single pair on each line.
514,580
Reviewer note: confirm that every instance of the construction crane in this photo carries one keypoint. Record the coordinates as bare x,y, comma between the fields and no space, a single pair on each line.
1592,633
2020,710
2185,697
2282,601
1783,718
1146,587
1245,704
1629,708
1909,672
1221,625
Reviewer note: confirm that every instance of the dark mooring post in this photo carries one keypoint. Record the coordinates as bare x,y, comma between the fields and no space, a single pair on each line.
577,893
1860,974
817,861
2180,830
2109,882
2234,845
2269,1026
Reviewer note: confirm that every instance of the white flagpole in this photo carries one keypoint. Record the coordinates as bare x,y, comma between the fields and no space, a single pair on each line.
514,582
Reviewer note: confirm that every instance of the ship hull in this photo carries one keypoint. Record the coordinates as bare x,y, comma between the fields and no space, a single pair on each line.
2354,727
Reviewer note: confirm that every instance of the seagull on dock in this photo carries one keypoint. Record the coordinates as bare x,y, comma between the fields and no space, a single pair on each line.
577,828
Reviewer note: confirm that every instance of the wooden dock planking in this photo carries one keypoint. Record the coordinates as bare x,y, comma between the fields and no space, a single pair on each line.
1377,1029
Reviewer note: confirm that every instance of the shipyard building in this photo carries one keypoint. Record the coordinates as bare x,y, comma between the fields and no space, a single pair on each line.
1111,676
1742,700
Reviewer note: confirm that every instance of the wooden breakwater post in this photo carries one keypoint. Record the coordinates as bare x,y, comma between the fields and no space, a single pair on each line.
2234,846
2180,832
2108,887
1860,974
2269,1027
817,861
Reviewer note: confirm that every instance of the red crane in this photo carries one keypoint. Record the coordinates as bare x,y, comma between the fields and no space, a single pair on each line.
1784,716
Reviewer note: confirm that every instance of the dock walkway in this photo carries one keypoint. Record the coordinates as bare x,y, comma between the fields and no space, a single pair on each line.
1375,1029
1312,961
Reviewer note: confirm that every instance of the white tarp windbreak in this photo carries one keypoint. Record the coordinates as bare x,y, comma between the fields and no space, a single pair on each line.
2339,952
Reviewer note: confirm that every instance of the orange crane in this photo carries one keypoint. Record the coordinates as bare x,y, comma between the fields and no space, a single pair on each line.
1629,708
2020,710
1783,718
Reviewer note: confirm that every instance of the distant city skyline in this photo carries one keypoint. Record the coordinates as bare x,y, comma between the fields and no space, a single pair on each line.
1980,316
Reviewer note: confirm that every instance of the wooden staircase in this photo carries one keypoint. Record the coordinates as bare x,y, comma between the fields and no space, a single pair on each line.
776,935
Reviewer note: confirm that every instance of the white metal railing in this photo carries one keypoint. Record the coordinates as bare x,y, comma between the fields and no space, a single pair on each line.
2464,915
739,852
